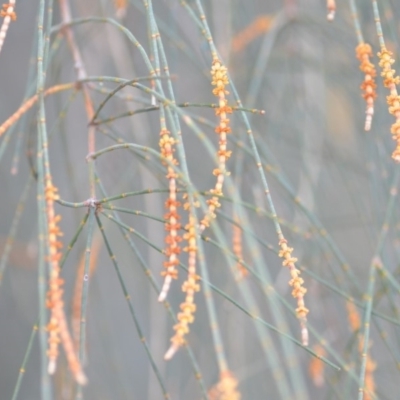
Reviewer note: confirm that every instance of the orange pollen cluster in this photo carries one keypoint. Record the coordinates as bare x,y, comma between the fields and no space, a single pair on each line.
219,81
8,11
172,217
226,388
364,52
390,81
57,327
296,282
331,7
190,287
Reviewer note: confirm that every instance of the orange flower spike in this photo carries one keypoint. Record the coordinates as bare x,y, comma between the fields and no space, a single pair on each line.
58,327
390,80
331,8
190,287
364,52
219,79
299,290
172,217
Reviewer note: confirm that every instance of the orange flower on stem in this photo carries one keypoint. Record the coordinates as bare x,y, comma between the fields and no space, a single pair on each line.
172,217
58,327
390,80
219,80
190,287
299,290
364,52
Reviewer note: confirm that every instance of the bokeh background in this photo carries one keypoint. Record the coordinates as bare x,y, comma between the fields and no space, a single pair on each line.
333,185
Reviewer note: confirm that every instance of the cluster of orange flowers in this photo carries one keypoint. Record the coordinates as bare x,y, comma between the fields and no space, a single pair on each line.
172,225
58,327
226,388
8,11
296,282
390,80
364,52
190,286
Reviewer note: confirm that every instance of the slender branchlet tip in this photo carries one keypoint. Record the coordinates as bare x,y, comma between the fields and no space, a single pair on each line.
51,369
304,336
81,379
120,13
368,119
162,296
171,352
331,7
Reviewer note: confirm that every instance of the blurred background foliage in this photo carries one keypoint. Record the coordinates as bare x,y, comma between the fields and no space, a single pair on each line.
334,187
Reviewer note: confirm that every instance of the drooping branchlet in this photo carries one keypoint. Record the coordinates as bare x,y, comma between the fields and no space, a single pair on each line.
296,282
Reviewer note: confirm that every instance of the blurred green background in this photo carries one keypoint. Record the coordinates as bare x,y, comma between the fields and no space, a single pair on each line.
284,58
